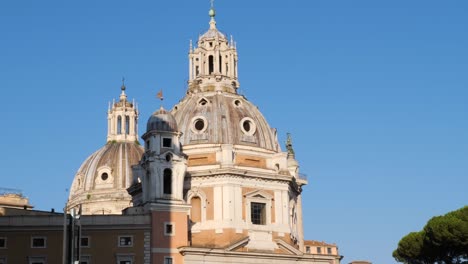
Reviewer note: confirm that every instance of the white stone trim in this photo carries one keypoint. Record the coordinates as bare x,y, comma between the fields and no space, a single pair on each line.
200,194
165,250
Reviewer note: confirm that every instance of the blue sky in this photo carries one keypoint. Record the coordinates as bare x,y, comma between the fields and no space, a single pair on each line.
374,93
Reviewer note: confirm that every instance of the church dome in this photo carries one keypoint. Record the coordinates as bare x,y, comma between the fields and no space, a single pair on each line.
162,120
212,34
101,183
223,118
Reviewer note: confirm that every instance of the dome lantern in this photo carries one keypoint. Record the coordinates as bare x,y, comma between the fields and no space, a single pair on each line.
213,62
122,119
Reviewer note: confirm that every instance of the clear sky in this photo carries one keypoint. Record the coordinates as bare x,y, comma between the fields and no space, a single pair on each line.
375,94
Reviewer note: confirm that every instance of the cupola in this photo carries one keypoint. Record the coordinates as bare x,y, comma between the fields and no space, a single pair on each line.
213,62
122,119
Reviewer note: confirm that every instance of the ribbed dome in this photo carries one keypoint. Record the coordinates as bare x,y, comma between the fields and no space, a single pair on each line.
223,118
101,183
162,120
213,33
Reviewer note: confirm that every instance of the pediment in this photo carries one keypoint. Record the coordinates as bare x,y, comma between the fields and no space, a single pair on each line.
288,248
259,194
238,245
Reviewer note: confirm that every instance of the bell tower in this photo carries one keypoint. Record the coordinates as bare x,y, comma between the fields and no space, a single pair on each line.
158,187
213,62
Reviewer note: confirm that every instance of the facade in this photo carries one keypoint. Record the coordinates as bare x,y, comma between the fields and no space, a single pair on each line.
210,185
35,237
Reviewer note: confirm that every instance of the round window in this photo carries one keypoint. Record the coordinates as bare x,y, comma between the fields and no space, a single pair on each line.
199,124
248,126
237,102
168,157
104,176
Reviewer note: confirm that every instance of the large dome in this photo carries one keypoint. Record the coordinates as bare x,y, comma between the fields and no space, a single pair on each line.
223,118
101,183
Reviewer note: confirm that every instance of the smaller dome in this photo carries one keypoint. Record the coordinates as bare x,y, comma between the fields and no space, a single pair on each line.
162,120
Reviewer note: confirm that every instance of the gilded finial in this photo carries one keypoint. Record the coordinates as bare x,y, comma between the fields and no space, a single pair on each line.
212,12
289,145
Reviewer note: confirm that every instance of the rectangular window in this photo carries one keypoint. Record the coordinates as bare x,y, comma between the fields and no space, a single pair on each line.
319,250
168,260
329,250
124,259
308,249
37,260
85,260
257,213
85,241
167,143
169,229
125,241
38,242
147,143
3,242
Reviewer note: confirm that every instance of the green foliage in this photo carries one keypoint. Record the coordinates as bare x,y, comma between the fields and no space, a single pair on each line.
444,240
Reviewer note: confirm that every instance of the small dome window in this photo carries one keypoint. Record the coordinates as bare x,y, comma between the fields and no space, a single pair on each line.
237,103
104,176
248,126
202,102
199,124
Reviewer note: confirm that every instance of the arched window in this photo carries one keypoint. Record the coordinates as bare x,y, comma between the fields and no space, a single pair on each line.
135,121
196,211
167,184
119,125
220,64
210,64
127,125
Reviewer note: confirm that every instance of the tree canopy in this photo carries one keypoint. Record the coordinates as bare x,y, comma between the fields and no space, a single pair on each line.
444,240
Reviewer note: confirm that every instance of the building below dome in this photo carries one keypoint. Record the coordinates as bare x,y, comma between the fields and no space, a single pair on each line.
100,185
212,184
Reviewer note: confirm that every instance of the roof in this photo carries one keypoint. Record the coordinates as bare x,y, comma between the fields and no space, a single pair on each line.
318,243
